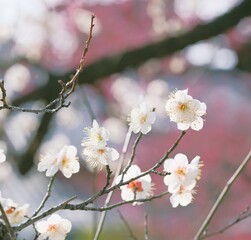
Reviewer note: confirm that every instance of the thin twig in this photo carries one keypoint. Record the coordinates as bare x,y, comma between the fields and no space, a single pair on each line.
243,215
146,226
109,196
66,89
47,195
44,214
202,230
105,209
127,225
7,223
132,156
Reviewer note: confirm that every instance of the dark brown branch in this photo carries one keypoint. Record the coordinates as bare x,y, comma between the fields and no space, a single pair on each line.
133,58
26,160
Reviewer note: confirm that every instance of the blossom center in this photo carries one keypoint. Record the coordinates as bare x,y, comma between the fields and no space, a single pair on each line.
135,186
10,210
52,227
65,161
181,171
143,119
183,107
101,151
181,190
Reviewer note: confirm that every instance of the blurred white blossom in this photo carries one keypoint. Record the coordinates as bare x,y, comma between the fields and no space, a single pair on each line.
98,156
15,213
141,119
65,161
55,228
185,111
2,156
97,136
96,152
136,189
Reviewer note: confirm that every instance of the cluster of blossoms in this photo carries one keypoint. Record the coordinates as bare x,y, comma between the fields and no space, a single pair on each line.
185,111
65,161
96,152
181,178
137,189
15,213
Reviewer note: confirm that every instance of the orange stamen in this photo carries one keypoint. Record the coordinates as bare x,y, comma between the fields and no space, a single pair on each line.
136,186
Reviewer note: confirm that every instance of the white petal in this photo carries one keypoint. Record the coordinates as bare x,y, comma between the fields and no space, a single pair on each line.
133,171
113,153
169,165
202,110
146,128
196,160
71,151
170,179
95,124
41,226
181,159
51,171
185,198
151,117
175,201
127,195
183,126
197,124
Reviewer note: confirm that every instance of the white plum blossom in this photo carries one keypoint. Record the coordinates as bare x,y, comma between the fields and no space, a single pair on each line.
55,228
96,135
2,156
97,153
181,178
185,111
98,156
66,161
141,119
140,188
180,169
15,213
182,195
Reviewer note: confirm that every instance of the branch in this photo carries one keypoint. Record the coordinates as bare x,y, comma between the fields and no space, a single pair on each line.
243,215
203,228
43,215
47,195
7,223
127,225
133,58
134,147
66,88
105,209
26,160
146,227
109,196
